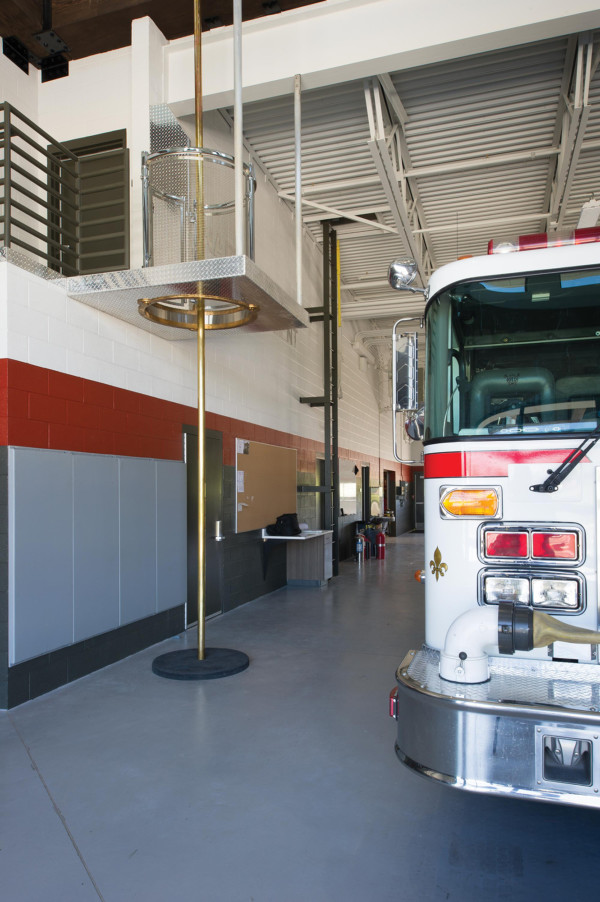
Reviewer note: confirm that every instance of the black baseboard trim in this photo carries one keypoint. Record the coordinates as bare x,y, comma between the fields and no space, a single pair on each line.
37,676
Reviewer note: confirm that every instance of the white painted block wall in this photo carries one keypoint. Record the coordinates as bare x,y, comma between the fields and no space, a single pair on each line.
253,377
256,377
19,89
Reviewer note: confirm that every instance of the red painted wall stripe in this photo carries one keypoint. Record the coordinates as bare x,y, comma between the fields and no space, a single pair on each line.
42,408
456,464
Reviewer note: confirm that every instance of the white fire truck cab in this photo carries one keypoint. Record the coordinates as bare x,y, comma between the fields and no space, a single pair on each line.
504,695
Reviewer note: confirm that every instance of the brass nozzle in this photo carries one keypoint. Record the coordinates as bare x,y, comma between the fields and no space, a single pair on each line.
547,629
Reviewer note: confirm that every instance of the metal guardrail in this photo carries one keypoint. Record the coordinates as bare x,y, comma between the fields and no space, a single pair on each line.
175,181
39,193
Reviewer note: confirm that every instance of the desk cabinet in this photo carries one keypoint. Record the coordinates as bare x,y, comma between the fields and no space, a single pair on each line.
309,561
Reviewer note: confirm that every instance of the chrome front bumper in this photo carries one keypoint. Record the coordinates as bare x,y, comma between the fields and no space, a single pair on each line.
532,731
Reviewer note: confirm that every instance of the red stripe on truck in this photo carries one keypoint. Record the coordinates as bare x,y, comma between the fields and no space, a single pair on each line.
456,464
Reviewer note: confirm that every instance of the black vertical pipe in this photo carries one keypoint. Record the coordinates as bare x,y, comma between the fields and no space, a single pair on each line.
47,15
327,519
335,474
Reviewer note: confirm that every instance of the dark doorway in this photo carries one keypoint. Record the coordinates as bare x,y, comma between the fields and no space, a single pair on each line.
419,493
320,501
366,492
214,513
389,490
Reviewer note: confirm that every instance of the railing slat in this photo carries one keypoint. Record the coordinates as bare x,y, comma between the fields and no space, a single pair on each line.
51,184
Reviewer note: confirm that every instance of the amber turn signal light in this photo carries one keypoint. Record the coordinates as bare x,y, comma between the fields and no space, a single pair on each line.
471,502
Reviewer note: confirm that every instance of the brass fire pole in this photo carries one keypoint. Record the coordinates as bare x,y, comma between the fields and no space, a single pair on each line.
201,479
199,311
201,333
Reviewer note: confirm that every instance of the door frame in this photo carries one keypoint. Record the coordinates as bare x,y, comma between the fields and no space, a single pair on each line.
214,553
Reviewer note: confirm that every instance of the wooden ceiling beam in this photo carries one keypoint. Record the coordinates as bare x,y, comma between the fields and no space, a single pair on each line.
89,27
69,12
19,15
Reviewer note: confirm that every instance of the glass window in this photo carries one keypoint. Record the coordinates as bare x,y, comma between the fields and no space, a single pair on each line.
517,356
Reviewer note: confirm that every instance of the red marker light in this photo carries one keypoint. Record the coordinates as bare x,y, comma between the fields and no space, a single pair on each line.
506,544
563,545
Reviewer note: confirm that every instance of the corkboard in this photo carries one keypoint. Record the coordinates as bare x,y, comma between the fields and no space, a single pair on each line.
265,484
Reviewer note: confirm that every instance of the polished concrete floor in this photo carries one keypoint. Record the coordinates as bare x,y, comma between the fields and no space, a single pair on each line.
279,784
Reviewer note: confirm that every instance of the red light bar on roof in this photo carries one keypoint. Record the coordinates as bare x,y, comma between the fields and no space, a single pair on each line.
543,240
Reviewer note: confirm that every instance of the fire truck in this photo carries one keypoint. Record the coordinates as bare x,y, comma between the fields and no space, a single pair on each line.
504,695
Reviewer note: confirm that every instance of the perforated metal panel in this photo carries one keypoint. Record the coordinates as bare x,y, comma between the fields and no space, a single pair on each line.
180,183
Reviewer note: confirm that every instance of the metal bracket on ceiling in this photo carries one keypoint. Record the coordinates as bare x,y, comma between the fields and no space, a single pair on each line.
54,64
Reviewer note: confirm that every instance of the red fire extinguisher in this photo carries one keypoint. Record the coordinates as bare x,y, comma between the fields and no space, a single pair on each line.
380,542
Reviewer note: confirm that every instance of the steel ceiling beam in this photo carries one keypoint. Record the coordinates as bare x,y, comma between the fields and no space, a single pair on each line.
380,309
333,213
384,167
405,167
398,193
575,115
420,172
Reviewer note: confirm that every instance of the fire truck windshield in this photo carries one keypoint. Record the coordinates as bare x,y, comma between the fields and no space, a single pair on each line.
515,357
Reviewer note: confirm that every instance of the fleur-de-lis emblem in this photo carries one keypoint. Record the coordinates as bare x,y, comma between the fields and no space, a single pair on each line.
436,564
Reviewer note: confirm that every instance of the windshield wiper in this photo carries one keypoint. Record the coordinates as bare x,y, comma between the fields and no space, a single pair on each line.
557,476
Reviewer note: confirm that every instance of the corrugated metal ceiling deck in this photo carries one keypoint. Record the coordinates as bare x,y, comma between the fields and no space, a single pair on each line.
480,141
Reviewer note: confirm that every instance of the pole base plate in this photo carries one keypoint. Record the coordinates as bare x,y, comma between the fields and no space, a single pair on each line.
184,664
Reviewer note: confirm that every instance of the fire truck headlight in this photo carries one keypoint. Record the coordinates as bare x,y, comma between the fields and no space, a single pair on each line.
555,593
505,588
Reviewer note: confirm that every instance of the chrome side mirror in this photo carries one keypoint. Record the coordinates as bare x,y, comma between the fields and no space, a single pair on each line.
401,275
415,424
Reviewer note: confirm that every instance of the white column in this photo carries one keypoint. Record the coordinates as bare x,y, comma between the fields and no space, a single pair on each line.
147,89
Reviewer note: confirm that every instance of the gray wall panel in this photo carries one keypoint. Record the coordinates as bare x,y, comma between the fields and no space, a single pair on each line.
171,531
137,515
96,544
3,576
41,584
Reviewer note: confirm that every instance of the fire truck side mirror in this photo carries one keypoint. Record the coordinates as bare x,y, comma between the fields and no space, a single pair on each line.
402,273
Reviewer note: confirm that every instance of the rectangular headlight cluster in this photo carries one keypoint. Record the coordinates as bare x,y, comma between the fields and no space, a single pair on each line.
552,592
